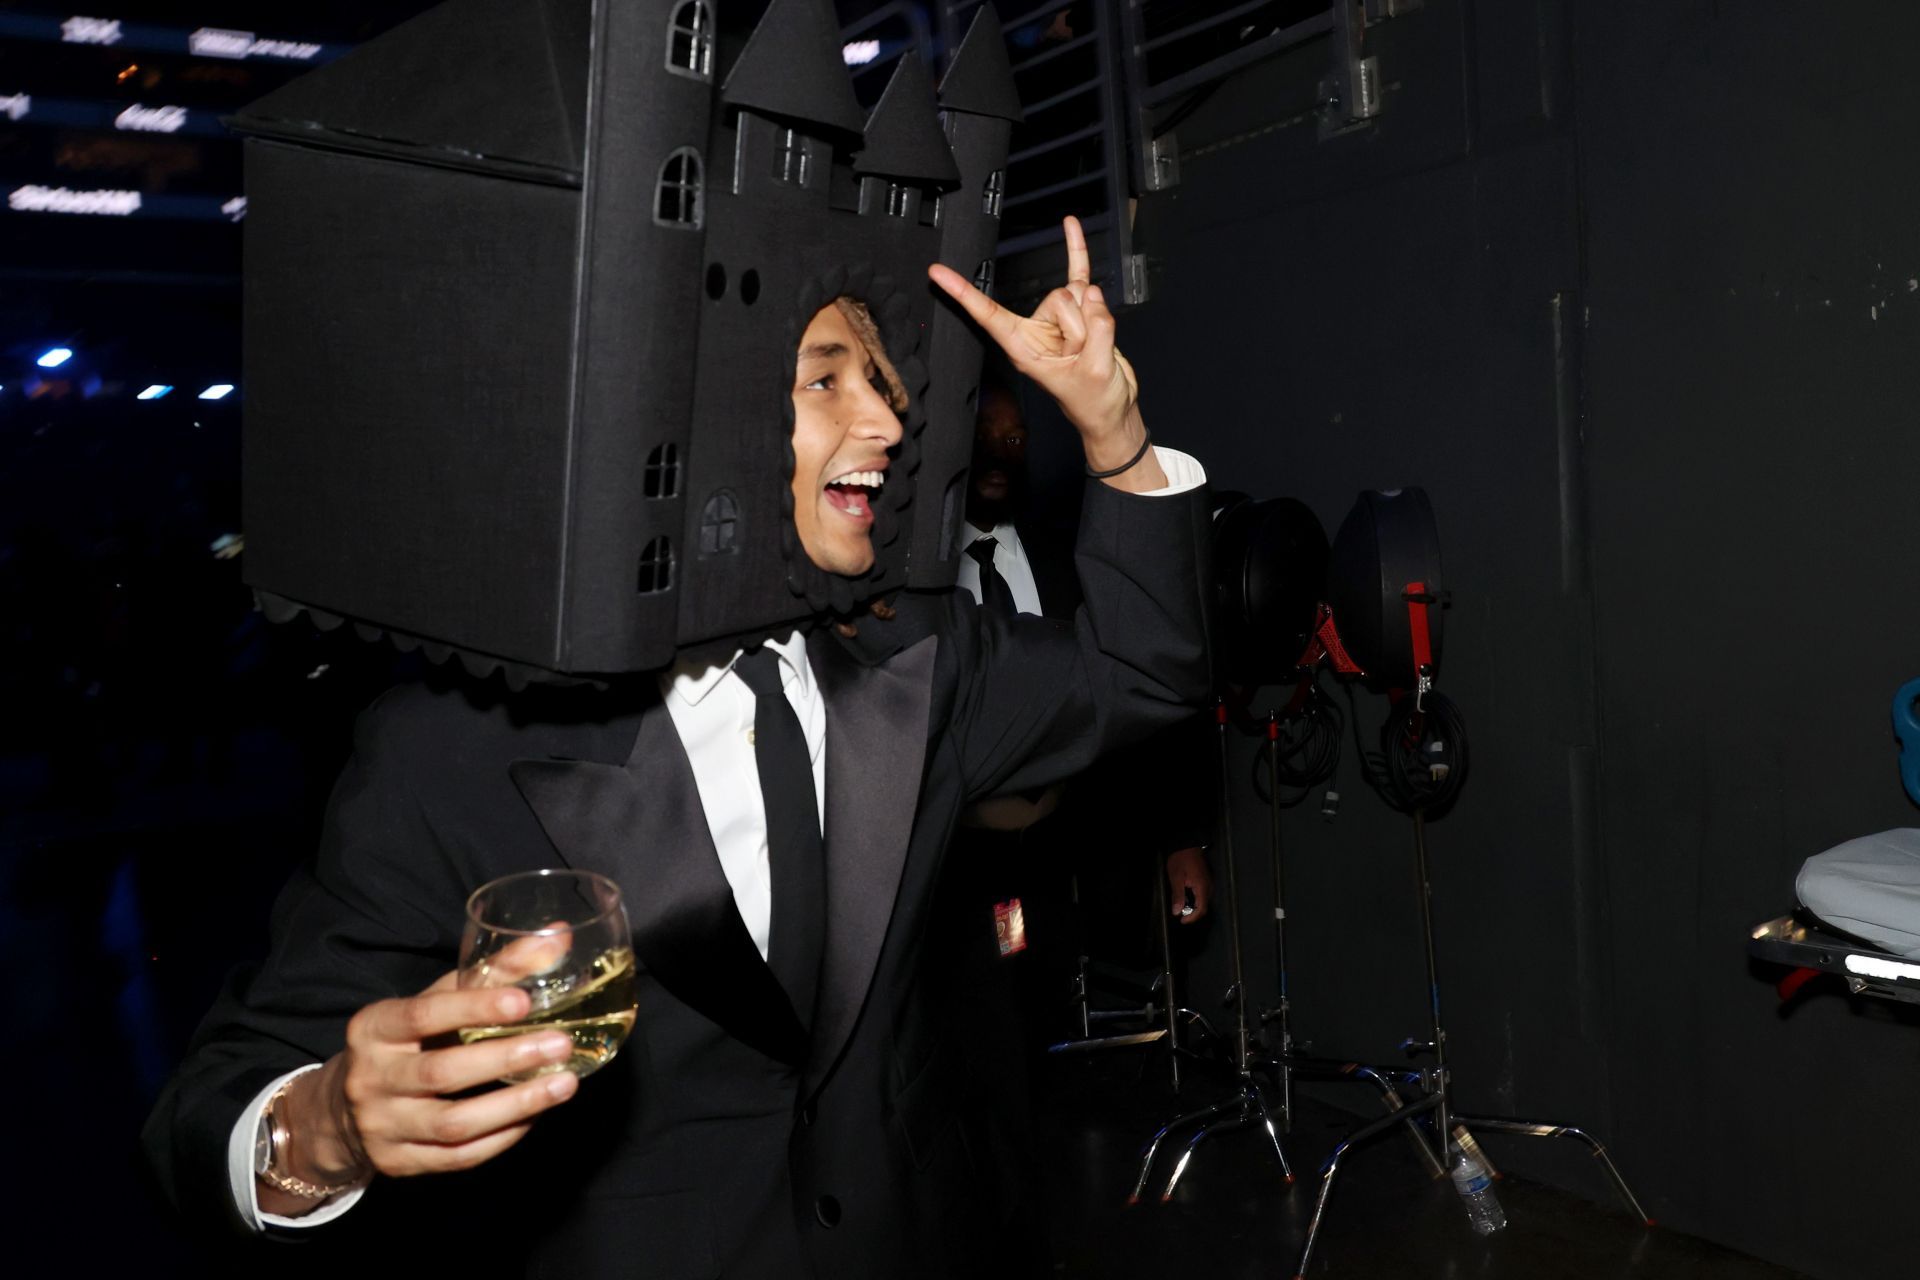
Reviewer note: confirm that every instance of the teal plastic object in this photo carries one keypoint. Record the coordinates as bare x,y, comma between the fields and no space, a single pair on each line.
1907,728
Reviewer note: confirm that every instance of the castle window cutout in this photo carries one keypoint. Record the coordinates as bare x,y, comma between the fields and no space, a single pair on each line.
897,203
790,161
690,40
983,277
656,567
991,194
662,476
719,524
679,200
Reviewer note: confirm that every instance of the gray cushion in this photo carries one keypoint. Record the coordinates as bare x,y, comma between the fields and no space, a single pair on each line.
1870,888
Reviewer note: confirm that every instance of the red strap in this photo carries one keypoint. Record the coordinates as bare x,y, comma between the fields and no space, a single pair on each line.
1789,986
1416,597
1326,644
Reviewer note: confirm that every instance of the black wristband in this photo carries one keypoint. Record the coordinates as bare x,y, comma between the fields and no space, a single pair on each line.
1146,442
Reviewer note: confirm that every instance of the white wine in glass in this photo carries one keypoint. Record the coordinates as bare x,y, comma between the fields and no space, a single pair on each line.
563,938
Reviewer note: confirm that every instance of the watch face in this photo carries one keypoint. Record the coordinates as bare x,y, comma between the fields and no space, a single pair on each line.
263,1142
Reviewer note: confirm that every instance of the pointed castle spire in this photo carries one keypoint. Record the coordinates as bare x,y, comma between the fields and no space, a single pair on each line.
903,136
791,68
980,79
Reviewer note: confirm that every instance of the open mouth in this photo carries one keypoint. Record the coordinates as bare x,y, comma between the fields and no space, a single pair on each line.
853,493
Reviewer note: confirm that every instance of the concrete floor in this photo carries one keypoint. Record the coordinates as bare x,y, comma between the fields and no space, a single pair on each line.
1233,1217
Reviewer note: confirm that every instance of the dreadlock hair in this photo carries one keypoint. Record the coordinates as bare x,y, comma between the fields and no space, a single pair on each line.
861,321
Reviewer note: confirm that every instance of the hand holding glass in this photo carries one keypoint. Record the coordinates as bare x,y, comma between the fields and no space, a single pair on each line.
563,938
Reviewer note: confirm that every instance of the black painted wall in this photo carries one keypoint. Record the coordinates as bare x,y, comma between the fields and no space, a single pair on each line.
1634,291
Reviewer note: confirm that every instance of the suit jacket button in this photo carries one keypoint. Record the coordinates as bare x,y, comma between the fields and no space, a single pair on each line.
827,1210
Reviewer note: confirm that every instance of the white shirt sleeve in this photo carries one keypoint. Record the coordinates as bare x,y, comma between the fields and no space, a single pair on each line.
1183,472
246,1196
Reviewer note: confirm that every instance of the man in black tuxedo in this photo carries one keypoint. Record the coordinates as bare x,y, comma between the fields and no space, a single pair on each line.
759,1122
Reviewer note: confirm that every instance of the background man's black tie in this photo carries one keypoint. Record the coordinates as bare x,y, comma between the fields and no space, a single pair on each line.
995,594
798,860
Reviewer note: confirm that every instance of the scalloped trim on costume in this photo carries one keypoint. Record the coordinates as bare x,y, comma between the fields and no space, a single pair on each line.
518,675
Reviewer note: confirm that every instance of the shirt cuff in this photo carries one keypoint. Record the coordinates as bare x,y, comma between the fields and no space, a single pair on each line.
1183,473
246,1190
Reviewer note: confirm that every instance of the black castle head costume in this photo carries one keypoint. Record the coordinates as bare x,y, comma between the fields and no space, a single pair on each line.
525,282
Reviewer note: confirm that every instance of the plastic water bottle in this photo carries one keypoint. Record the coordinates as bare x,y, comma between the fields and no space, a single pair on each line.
1475,1185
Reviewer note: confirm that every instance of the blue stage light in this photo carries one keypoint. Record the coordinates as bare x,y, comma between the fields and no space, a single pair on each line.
54,357
218,391
155,391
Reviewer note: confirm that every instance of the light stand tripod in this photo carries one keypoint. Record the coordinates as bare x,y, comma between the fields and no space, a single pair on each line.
1247,1104
1439,1083
1284,1063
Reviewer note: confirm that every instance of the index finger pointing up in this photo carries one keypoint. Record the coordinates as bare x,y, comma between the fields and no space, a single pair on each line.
1000,323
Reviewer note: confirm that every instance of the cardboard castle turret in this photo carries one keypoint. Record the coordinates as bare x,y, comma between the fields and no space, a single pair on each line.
524,283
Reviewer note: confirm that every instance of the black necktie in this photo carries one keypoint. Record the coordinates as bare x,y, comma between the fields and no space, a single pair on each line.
995,594
794,851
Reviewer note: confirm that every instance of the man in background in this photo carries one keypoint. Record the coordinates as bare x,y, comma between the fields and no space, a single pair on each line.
1038,880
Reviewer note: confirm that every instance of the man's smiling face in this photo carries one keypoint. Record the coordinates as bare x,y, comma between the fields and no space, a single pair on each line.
843,428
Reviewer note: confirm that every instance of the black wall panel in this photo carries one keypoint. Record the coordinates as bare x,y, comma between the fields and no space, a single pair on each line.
1634,291
1752,248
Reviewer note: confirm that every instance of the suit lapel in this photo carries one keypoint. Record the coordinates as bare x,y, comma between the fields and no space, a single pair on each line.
876,750
641,825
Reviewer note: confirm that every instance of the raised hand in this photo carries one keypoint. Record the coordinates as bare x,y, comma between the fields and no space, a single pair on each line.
1067,346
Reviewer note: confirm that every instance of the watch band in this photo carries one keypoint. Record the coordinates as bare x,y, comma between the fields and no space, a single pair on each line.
270,1173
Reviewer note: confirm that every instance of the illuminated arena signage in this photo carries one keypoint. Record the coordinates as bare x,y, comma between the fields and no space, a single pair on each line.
151,119
214,42
16,106
38,199
90,31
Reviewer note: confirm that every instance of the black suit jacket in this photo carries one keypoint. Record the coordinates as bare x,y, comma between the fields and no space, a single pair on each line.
721,1142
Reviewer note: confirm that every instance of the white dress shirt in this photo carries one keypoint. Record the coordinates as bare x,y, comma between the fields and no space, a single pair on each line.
712,711
1010,556
1009,560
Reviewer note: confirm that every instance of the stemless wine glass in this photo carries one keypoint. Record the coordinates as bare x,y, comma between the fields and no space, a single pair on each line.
563,938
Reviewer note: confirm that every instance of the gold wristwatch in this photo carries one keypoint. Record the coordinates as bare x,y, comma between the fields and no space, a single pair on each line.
269,1147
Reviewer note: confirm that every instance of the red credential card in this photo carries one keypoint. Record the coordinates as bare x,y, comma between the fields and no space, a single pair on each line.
1010,926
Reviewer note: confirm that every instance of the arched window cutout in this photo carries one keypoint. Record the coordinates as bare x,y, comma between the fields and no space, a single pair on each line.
690,40
720,524
991,194
656,567
662,477
680,198
897,202
983,277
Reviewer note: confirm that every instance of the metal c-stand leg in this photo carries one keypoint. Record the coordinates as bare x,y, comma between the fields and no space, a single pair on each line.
1535,1129
1332,1167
